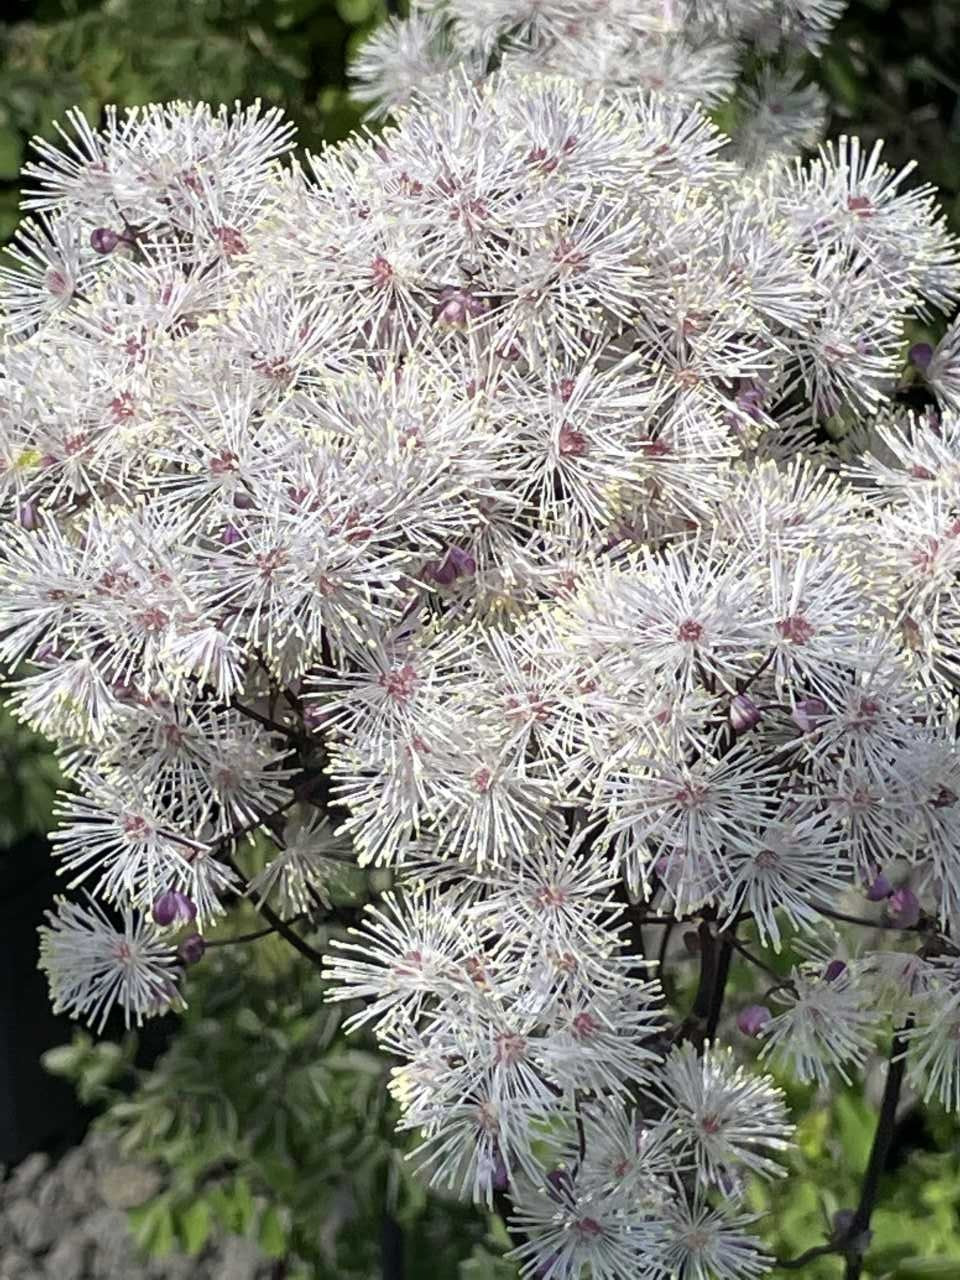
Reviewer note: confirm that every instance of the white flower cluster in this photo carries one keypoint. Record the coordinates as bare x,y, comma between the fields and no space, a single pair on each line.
694,51
473,486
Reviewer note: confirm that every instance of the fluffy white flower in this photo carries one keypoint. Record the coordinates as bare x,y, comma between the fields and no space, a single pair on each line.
93,965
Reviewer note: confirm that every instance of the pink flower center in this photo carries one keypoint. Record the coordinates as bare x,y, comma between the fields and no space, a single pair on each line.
796,629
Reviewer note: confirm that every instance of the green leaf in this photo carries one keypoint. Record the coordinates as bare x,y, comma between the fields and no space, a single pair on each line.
66,1059
194,1225
928,1269
244,1209
152,1227
272,1233
856,1122
11,151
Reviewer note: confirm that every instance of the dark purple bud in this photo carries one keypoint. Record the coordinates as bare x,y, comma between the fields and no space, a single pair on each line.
499,1178
172,906
920,354
230,535
750,400
835,969
752,1018
243,501
457,306
463,561
443,573
191,949
744,713
28,516
903,908
809,714
880,889
165,908
457,563
103,240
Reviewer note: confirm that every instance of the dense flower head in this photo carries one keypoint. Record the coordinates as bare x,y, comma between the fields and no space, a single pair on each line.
694,52
476,484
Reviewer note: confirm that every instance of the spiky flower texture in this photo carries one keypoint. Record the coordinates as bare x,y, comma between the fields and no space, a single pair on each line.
475,487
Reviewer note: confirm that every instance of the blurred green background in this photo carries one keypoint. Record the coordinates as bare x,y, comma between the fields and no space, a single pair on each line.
261,1117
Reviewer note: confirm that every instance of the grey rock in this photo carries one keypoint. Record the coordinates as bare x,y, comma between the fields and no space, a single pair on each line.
124,1186
77,1174
16,1265
109,1234
99,1151
177,1266
67,1260
32,1227
49,1193
28,1173
238,1260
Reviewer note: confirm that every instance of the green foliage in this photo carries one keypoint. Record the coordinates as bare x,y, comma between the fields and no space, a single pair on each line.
29,778
264,1120
916,1225
73,52
892,71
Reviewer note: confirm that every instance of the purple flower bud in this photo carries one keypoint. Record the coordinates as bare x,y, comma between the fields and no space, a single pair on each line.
443,573
880,889
463,561
835,969
903,908
28,517
172,906
752,1018
103,240
744,713
243,501
457,563
191,949
457,306
499,1178
750,400
920,354
230,535
809,713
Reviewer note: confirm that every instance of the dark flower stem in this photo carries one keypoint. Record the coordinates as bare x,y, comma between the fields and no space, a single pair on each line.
392,1265
715,953
852,1244
879,1152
